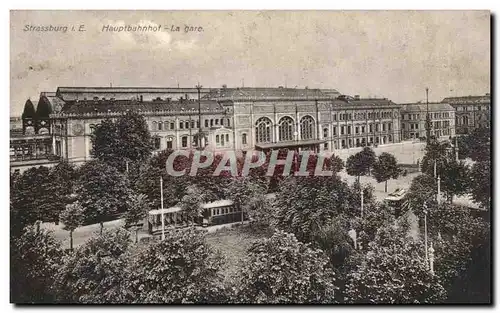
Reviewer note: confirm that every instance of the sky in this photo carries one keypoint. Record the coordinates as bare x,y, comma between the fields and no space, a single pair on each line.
392,54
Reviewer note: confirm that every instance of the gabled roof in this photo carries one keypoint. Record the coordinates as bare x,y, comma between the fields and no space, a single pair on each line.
56,103
29,110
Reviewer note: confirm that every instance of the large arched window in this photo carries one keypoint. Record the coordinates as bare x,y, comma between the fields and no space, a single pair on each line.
286,129
263,130
307,127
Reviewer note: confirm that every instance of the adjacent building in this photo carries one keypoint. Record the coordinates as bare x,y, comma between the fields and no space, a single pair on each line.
414,117
471,112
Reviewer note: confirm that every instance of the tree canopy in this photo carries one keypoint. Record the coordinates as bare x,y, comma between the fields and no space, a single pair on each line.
95,272
102,191
35,258
282,270
393,271
385,168
125,140
359,164
303,204
180,269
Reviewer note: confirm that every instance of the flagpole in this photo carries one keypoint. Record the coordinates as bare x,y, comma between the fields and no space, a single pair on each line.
162,213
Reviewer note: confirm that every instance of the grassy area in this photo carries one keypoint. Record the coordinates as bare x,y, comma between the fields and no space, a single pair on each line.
233,244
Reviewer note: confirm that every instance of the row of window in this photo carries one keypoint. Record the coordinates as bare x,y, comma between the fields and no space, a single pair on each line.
222,140
191,124
286,129
157,142
218,122
363,116
223,211
363,129
471,108
411,125
361,142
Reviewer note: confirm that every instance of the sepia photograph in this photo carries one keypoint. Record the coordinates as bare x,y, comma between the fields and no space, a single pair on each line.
250,157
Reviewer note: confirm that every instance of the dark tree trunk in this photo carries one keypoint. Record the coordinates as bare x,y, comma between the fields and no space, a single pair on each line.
71,240
102,226
386,186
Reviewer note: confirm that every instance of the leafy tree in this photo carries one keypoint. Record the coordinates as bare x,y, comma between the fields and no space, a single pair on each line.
354,198
375,217
333,238
180,269
192,203
126,140
102,191
35,257
423,189
250,196
96,271
457,234
480,183
62,177
476,145
440,153
30,196
148,183
393,271
72,218
283,270
455,179
359,164
337,164
303,204
137,211
386,168
368,156
105,142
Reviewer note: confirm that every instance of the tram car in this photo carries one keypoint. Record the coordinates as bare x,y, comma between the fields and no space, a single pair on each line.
396,201
214,213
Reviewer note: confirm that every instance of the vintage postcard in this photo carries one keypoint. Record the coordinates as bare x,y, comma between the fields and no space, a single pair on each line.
250,157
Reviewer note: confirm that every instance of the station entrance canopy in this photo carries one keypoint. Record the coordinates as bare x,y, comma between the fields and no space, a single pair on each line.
292,145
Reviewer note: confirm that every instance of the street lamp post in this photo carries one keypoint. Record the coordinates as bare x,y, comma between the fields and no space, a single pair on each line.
362,199
439,190
431,259
425,233
162,213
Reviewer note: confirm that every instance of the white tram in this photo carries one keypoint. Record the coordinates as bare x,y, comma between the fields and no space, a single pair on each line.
215,213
